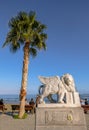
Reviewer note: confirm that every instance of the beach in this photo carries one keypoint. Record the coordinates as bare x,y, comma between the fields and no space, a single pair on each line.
7,122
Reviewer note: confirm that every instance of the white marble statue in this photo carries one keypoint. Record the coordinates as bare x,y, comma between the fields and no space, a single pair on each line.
56,85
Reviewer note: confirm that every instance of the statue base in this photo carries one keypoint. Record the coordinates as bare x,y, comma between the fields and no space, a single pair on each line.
60,118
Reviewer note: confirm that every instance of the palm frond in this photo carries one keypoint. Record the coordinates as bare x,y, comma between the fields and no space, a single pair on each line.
33,51
15,47
32,17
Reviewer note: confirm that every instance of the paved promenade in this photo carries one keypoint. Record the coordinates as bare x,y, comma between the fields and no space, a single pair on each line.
8,123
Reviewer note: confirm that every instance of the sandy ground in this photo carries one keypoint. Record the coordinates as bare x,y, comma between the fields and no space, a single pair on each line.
8,123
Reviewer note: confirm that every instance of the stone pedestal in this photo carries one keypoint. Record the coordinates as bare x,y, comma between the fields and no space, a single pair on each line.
59,117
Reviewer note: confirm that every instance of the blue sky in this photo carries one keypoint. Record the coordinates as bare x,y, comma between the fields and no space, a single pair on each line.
67,44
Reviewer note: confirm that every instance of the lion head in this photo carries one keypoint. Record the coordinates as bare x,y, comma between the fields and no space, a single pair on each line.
68,82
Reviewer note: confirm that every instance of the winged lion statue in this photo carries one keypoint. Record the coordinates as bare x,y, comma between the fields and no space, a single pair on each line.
56,85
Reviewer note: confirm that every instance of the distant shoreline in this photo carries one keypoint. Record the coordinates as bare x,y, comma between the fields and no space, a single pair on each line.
14,98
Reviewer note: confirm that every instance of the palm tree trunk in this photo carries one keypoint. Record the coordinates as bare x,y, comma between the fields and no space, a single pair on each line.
24,80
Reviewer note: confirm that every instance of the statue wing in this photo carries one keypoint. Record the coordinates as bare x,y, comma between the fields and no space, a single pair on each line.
49,80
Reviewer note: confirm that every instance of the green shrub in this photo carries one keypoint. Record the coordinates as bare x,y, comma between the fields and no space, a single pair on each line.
17,116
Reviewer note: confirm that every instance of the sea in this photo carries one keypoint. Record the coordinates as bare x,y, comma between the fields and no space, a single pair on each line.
14,98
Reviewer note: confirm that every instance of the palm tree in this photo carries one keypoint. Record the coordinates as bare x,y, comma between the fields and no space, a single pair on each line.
27,31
